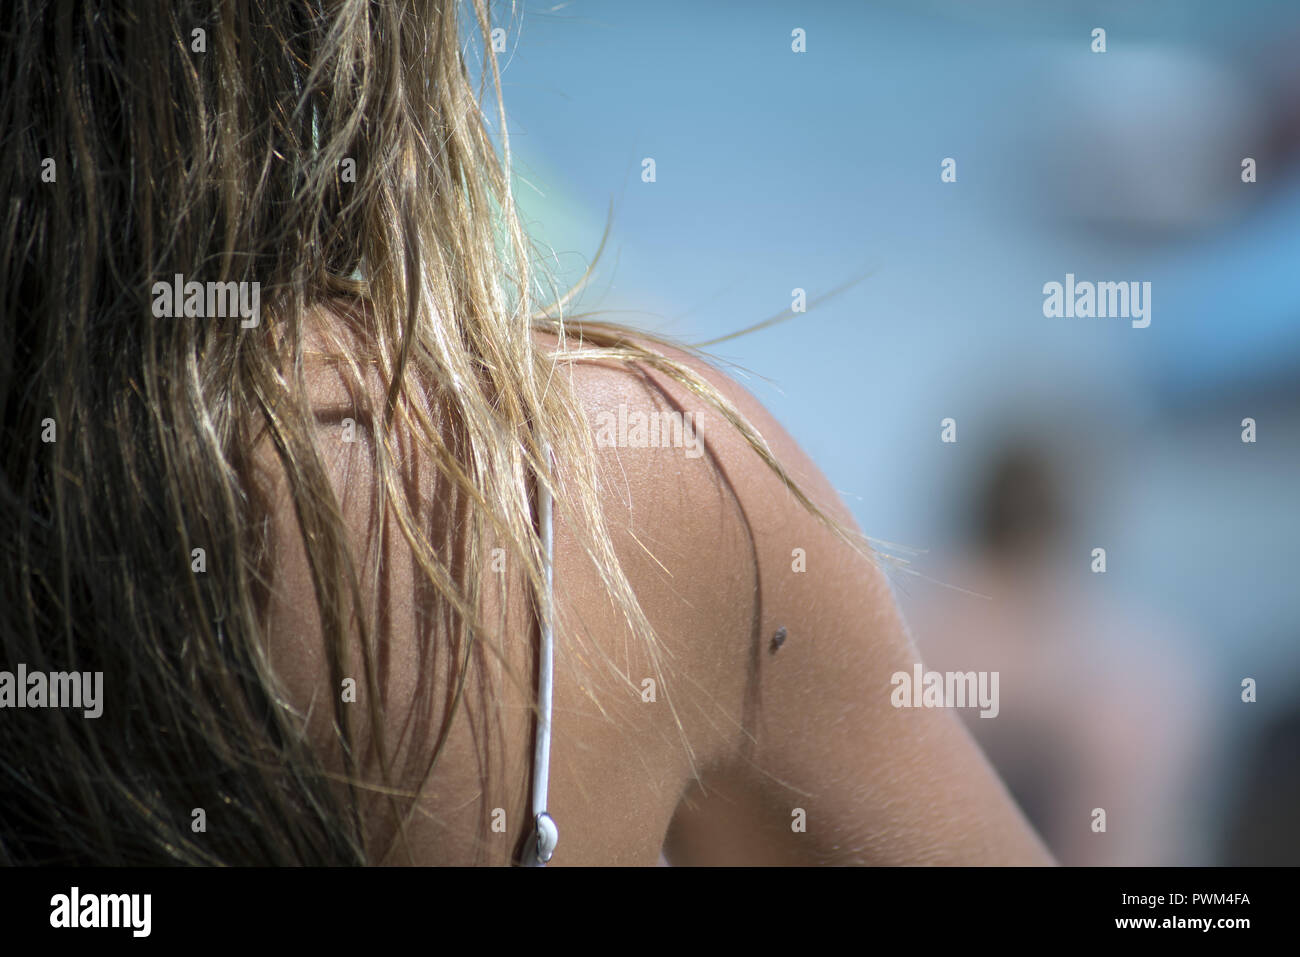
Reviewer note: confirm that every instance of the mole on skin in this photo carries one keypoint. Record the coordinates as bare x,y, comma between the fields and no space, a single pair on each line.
778,639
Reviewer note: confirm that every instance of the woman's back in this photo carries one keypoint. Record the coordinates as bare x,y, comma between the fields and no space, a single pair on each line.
762,732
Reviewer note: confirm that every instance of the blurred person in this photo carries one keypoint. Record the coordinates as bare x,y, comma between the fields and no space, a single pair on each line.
1101,706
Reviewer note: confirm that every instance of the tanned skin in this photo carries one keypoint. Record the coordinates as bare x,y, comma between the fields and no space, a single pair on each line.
774,708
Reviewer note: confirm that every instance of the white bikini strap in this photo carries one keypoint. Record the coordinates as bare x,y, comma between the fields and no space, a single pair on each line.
545,835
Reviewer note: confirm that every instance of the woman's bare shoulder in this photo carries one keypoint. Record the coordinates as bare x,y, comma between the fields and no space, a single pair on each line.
766,693
817,764
636,724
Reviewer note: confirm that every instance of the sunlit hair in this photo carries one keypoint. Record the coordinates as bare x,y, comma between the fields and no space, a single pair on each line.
226,165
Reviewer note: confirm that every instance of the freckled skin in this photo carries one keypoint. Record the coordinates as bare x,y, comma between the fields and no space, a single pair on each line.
735,742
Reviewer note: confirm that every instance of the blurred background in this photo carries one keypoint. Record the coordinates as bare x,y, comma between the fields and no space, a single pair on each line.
777,170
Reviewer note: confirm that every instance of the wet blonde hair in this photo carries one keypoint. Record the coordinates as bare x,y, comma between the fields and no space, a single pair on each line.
227,165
